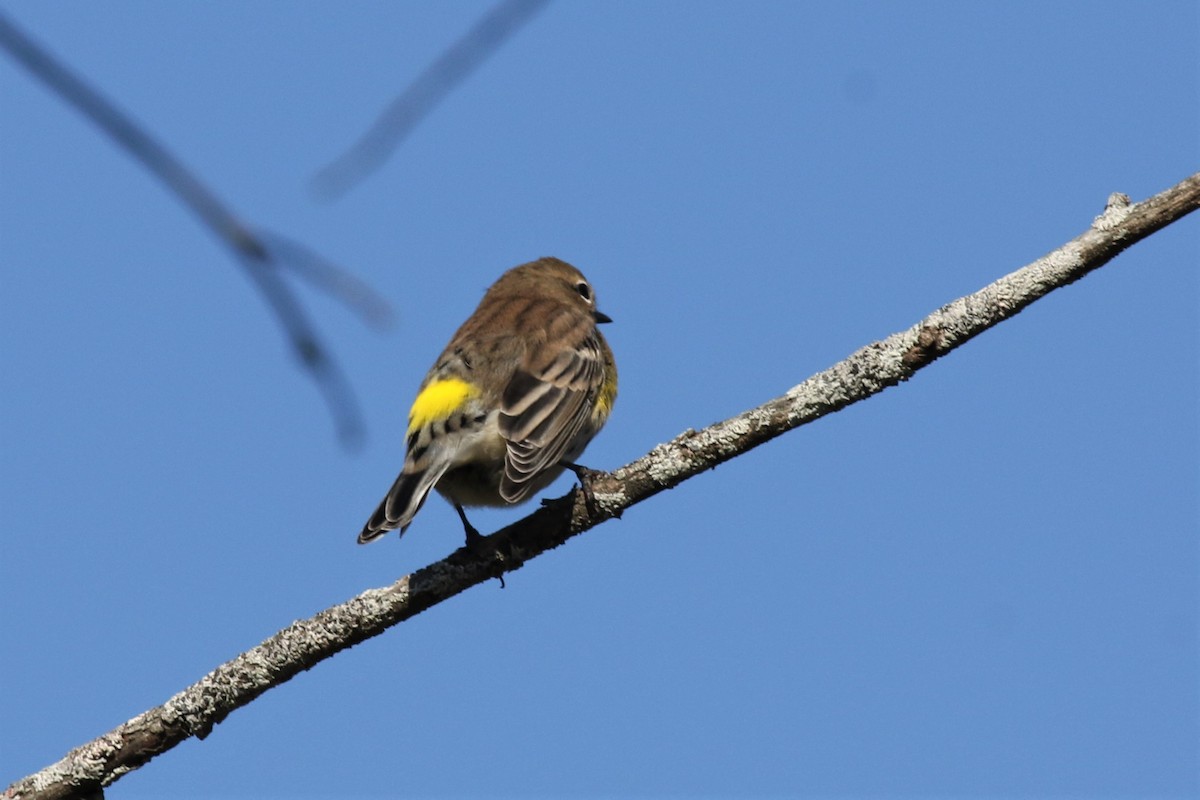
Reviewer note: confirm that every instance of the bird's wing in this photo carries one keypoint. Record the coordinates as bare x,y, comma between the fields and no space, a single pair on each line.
544,406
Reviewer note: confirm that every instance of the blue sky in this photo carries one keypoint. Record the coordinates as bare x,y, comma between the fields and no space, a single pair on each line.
981,583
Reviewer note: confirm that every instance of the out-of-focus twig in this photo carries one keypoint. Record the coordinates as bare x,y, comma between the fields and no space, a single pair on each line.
422,95
260,255
352,291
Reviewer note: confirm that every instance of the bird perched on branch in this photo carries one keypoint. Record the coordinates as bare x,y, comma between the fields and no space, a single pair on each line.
516,396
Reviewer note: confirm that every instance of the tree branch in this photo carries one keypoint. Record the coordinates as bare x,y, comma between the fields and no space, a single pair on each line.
198,708
420,97
261,254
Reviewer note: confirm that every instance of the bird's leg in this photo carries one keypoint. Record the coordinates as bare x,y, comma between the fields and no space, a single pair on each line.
474,537
584,475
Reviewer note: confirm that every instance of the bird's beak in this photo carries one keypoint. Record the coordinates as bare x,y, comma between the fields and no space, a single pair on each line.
601,317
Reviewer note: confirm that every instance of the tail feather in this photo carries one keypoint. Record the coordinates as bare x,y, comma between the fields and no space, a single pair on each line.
401,503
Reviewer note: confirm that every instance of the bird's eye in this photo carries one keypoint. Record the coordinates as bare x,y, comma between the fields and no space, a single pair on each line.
584,290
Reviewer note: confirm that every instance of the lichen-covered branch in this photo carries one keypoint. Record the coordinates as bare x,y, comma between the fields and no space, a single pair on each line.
195,710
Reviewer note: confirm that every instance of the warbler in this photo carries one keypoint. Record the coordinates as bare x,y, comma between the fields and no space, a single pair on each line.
516,396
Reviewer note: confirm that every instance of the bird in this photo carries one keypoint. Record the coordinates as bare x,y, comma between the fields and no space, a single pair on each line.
521,389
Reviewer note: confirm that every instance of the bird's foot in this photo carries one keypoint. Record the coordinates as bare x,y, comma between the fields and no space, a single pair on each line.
585,476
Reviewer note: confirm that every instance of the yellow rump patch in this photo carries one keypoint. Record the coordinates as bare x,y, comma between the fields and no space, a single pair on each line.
607,396
437,401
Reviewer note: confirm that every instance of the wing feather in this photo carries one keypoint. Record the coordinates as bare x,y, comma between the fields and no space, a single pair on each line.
543,410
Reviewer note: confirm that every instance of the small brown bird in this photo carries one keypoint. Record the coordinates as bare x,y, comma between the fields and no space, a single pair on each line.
521,389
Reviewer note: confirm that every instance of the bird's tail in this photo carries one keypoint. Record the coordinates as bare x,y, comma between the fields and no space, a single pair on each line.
402,502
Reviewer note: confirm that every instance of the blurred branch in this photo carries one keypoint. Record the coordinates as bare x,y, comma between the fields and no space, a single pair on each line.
260,255
303,644
421,96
